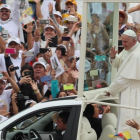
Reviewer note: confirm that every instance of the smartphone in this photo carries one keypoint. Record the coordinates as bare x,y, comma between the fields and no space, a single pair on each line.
44,21
27,73
68,87
29,53
53,42
80,24
46,78
66,31
65,11
44,50
65,38
10,50
5,34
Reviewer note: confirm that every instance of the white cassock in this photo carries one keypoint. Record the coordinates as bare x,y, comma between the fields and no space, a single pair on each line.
127,84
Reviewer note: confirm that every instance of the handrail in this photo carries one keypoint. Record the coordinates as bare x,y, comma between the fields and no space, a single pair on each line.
111,104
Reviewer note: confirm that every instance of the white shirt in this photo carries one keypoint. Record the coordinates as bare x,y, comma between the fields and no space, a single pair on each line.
17,62
13,24
6,98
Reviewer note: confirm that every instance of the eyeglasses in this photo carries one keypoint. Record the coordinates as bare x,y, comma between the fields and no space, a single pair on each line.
4,11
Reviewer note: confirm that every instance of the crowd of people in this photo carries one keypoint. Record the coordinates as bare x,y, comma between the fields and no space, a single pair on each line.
39,60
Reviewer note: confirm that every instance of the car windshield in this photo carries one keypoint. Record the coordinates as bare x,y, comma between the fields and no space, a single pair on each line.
27,122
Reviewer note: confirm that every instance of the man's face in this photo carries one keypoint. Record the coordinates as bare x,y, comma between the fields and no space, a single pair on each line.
14,45
127,42
2,86
39,71
60,125
70,25
49,33
4,14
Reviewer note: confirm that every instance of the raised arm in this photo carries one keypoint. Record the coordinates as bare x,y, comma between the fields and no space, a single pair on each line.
58,5
36,46
16,11
13,83
50,6
133,9
38,9
29,30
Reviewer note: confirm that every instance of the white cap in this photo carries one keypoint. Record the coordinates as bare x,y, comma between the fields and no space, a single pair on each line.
87,65
49,26
15,39
57,13
71,18
40,63
5,6
130,33
29,101
61,46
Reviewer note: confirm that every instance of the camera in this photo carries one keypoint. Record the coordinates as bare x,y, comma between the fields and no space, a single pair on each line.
20,97
27,73
65,11
14,68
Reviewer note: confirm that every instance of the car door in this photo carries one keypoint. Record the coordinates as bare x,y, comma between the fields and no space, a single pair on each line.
10,130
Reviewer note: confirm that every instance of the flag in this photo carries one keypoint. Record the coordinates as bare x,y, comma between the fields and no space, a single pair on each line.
126,135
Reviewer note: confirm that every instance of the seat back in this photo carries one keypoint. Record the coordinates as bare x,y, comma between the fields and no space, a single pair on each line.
109,124
87,133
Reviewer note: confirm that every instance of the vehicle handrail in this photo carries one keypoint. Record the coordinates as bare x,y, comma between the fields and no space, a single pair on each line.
111,104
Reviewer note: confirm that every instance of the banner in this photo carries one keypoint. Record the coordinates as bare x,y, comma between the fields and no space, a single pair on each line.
27,16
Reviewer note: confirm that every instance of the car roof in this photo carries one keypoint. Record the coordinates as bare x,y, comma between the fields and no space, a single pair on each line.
60,102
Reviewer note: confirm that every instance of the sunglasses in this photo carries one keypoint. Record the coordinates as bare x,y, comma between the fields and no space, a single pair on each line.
4,11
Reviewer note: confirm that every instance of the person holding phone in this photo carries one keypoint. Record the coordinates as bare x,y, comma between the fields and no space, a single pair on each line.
28,87
15,57
56,17
71,9
5,18
52,35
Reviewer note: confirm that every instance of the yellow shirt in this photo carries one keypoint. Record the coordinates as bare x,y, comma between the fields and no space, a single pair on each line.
31,0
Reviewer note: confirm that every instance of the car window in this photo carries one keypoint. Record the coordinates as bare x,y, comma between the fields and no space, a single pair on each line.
41,122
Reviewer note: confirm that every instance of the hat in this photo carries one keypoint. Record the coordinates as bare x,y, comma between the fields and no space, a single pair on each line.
87,65
41,63
5,6
29,101
124,14
49,26
130,33
72,1
71,18
57,13
15,39
61,46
